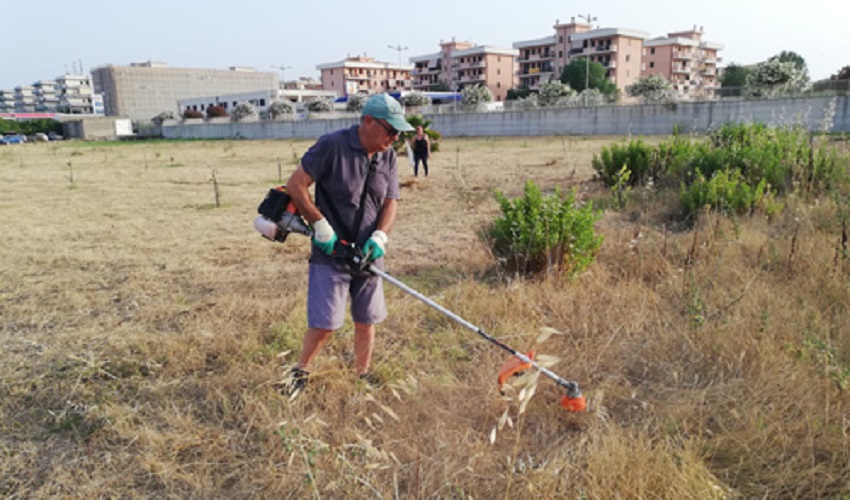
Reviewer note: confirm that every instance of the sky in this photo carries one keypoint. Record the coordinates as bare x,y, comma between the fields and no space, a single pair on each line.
62,36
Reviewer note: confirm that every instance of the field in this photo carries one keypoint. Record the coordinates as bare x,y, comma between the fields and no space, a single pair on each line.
145,329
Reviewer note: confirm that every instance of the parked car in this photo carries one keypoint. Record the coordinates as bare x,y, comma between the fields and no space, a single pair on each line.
13,139
53,136
40,137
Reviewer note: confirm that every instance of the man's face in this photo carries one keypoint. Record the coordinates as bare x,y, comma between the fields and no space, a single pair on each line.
381,133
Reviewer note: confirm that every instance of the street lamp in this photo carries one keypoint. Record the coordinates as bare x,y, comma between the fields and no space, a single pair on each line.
282,68
399,49
589,20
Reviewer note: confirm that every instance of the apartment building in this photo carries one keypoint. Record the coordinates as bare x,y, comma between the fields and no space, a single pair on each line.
141,91
619,50
364,75
686,61
24,99
7,101
46,96
461,64
76,96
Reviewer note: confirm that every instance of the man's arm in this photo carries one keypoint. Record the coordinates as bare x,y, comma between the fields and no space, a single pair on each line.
387,215
298,188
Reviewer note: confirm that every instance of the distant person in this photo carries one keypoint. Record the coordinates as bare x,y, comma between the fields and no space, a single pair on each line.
421,145
356,191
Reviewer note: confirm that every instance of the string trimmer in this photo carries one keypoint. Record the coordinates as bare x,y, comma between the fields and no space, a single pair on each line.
279,217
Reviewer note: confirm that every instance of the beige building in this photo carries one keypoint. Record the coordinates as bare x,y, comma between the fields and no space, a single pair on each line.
684,60
462,64
617,49
364,75
143,90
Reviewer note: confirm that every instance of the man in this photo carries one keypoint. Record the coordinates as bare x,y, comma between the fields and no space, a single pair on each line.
339,164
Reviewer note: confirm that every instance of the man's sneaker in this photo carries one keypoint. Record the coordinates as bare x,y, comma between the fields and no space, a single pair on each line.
295,382
370,379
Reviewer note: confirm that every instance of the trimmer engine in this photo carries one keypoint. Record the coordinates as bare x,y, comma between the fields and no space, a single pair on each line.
279,217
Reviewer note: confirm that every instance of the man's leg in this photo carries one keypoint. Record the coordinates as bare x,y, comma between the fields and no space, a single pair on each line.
314,340
364,341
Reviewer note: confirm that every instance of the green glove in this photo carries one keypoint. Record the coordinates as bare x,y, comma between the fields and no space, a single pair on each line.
375,246
324,237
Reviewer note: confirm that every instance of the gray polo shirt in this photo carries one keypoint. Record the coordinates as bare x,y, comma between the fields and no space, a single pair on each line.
338,164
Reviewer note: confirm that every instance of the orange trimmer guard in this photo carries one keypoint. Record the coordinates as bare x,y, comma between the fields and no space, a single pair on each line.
574,404
513,366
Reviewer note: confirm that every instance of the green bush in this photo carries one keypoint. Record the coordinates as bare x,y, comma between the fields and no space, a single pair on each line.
537,233
728,192
637,156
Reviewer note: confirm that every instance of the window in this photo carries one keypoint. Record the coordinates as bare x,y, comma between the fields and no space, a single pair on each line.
652,50
628,57
561,39
652,64
262,102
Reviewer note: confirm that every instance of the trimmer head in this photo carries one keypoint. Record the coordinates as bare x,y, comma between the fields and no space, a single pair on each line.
573,401
575,404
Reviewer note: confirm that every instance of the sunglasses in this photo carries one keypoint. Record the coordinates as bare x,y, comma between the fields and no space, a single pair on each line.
392,132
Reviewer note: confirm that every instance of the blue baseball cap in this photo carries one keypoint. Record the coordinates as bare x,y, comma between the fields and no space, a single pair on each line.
384,107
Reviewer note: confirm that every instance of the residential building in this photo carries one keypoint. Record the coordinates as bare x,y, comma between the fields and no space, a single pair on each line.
617,49
7,101
143,90
364,75
461,64
76,96
686,61
24,99
536,62
46,95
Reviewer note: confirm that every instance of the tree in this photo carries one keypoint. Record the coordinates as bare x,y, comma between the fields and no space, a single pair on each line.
279,109
243,110
575,75
554,94
734,76
775,76
842,74
355,103
794,58
652,89
471,98
518,93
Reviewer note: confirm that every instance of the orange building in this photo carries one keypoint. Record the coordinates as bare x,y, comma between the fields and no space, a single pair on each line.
684,60
462,64
617,49
364,75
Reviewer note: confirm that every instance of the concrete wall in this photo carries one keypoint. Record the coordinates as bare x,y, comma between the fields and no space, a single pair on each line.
606,120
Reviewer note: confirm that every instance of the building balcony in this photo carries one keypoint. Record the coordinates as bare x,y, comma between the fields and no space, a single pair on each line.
605,48
683,56
682,71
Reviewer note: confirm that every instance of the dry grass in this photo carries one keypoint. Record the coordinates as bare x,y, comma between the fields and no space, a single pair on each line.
144,330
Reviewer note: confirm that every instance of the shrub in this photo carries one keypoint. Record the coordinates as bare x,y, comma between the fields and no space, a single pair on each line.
191,113
538,233
415,100
279,109
555,94
727,192
652,89
216,112
162,117
320,106
637,156
355,103
243,110
471,98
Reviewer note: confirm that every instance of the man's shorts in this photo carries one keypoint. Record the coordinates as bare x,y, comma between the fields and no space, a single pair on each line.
328,291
